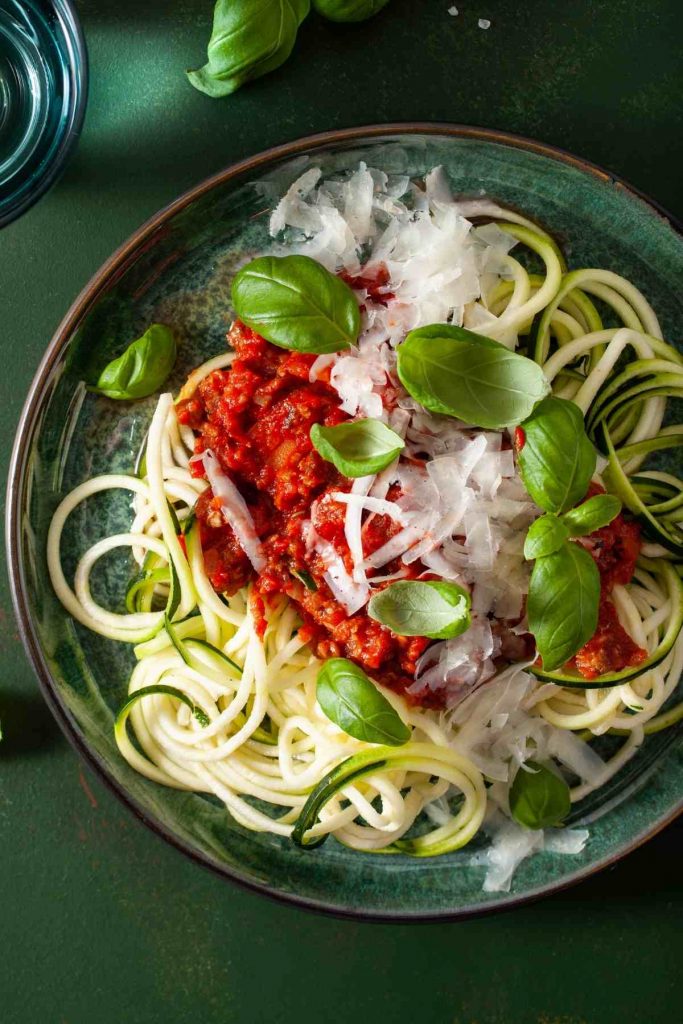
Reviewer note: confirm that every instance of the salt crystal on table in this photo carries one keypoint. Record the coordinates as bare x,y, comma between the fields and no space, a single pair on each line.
453,11
484,23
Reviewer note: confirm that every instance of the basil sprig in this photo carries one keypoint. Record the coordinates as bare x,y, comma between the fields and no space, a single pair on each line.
249,38
296,303
358,448
353,702
549,532
592,515
563,603
557,460
539,798
450,370
545,536
432,608
142,368
349,10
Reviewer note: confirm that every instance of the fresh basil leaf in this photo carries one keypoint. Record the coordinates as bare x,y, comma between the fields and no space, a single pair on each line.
556,460
349,10
353,702
305,578
142,368
539,798
544,536
296,303
357,448
592,515
452,371
249,38
422,608
562,607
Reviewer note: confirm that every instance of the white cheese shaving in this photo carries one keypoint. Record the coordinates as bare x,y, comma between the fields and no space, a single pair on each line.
234,509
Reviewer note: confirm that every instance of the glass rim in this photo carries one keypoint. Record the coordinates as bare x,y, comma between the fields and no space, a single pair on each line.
77,66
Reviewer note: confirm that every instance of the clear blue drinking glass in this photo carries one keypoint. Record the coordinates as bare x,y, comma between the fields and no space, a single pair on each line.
43,91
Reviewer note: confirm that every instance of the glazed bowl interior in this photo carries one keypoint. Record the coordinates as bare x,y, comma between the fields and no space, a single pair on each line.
177,270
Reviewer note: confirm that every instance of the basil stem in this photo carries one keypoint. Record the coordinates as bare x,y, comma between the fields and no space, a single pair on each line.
439,610
353,702
539,798
545,536
358,448
452,371
556,460
249,38
142,368
592,515
349,10
296,303
562,607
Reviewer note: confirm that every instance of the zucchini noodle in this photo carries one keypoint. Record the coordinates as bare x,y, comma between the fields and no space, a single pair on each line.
214,709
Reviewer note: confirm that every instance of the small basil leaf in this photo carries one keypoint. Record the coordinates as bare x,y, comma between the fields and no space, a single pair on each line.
539,798
296,303
592,515
305,578
353,702
453,371
142,368
544,536
249,38
358,448
556,460
562,607
349,10
422,608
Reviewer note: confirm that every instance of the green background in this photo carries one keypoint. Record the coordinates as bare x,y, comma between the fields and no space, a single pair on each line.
100,921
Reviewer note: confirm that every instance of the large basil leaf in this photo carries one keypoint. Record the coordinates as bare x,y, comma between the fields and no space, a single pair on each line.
296,303
556,460
422,608
544,536
249,38
358,448
142,368
353,702
453,371
562,607
349,10
592,515
539,798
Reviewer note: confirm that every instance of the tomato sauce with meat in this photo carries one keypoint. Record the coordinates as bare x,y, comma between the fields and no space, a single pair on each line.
615,549
256,418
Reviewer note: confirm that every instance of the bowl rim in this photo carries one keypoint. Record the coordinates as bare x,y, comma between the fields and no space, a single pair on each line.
28,421
79,74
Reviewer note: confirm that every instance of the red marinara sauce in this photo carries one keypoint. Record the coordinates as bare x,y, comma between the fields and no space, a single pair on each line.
615,549
256,418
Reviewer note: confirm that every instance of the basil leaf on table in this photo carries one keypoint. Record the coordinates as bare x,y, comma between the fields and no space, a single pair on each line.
592,515
430,608
452,371
249,38
296,303
545,536
142,368
358,448
556,460
353,702
349,10
562,607
539,798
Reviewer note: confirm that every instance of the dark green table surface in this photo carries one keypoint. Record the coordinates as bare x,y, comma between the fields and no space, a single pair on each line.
100,922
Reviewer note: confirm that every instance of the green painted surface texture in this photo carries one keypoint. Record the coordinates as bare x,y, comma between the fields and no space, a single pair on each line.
101,922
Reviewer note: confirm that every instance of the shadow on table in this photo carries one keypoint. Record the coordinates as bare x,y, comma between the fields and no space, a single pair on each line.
27,726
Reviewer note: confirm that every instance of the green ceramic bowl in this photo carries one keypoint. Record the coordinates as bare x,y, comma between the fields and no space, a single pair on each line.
176,269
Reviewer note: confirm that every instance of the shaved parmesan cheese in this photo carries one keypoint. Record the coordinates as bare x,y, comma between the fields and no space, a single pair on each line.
234,509
350,594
